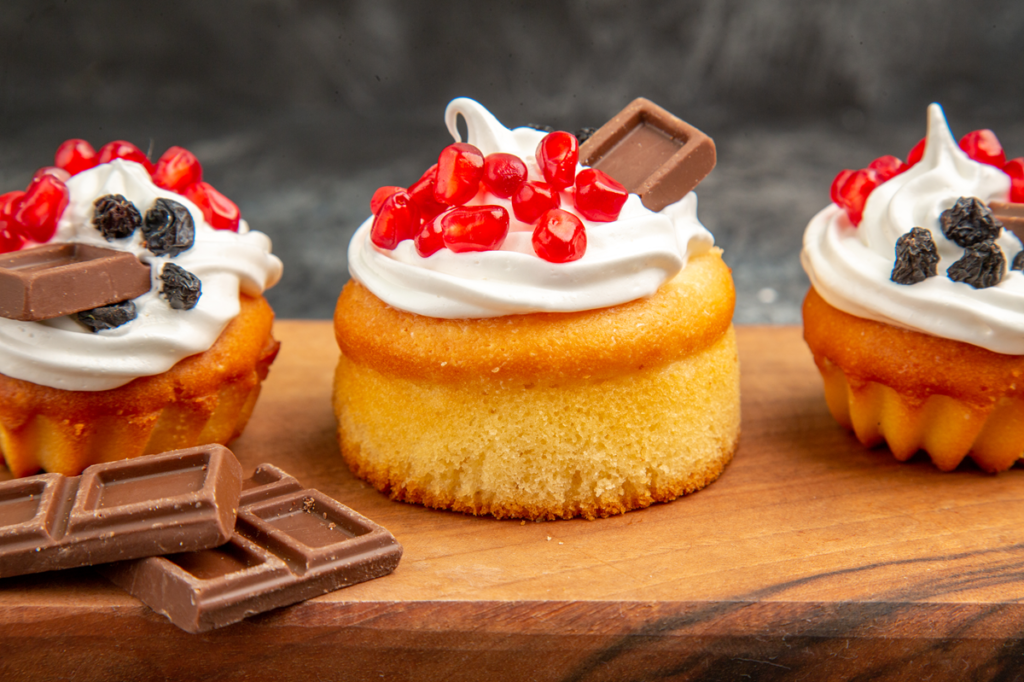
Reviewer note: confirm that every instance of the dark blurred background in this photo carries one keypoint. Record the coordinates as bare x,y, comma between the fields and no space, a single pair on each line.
299,110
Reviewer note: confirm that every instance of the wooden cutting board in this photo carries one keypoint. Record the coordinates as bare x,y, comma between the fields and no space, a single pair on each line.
811,556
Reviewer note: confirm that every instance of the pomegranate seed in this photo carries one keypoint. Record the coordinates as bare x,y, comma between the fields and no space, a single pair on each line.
1015,169
219,212
10,238
983,146
177,169
422,192
41,207
398,220
837,186
855,191
533,200
55,171
430,239
599,197
559,237
11,233
119,149
459,170
557,155
474,228
503,174
888,167
75,156
916,153
382,193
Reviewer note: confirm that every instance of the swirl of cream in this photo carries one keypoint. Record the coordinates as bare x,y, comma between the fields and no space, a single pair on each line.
627,259
61,353
850,267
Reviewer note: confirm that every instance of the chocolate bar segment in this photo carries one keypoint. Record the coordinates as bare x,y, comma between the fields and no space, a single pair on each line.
289,545
1010,215
52,280
651,152
176,501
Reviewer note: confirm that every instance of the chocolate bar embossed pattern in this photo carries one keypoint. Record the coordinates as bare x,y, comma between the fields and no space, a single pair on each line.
289,545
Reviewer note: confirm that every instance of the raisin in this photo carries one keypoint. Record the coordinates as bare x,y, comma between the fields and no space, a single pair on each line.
115,217
168,229
969,222
981,266
916,257
1018,261
584,134
538,126
181,288
108,316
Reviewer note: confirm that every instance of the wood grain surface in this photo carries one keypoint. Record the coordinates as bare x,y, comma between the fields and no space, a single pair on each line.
811,558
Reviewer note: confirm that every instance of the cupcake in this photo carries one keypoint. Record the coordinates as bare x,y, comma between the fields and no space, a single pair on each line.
915,314
522,338
113,373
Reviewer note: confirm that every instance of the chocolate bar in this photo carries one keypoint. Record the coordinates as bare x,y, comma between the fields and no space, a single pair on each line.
1010,215
52,280
651,152
173,502
289,545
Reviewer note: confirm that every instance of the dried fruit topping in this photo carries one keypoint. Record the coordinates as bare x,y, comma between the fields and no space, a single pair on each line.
1015,169
533,200
887,167
1018,261
474,228
382,193
115,217
559,237
398,219
599,197
969,222
854,192
38,211
916,152
181,288
119,149
503,174
422,192
168,228
219,212
916,257
557,155
983,146
177,169
460,167
584,134
75,156
55,171
108,316
541,127
430,239
981,266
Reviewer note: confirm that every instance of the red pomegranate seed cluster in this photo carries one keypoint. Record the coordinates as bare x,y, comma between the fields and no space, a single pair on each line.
851,188
433,212
32,215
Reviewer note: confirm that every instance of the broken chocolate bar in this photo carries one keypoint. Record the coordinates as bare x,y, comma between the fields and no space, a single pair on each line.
173,502
52,280
1010,215
651,152
290,544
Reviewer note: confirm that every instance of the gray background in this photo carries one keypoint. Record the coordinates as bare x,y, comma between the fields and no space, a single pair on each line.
299,110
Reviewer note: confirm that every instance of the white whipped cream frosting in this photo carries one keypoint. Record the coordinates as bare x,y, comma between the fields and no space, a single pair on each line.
61,353
627,259
850,267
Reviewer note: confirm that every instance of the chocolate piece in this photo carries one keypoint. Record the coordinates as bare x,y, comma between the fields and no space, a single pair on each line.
1010,215
176,501
651,152
289,545
59,279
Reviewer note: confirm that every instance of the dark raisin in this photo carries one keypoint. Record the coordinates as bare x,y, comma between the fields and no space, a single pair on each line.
982,266
169,229
108,316
1018,261
969,222
115,217
181,288
538,126
584,134
916,257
